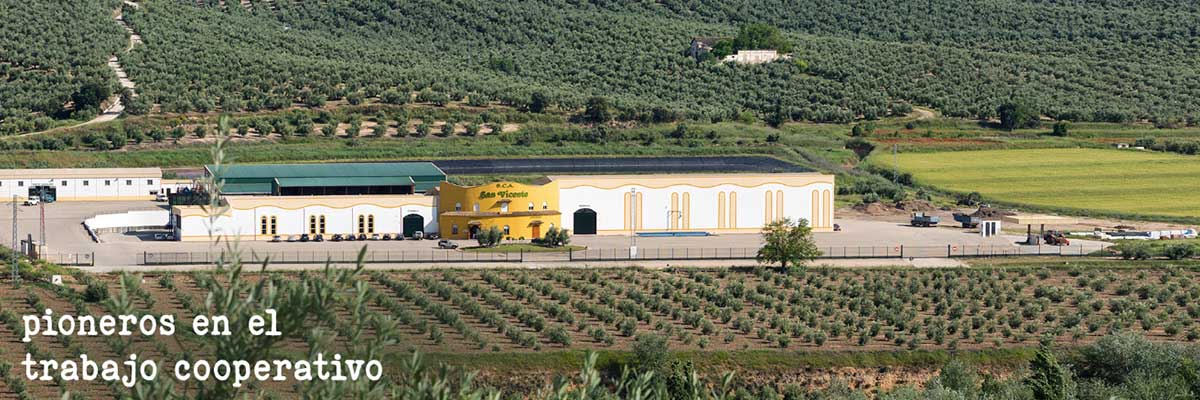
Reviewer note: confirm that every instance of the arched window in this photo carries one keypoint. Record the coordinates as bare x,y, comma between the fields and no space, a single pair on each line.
531,206
262,229
273,225
476,209
371,223
312,224
454,229
321,224
362,224
506,230
545,205
457,206
504,207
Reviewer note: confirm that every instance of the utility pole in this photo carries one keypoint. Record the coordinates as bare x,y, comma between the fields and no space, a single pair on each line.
16,274
42,226
632,222
895,165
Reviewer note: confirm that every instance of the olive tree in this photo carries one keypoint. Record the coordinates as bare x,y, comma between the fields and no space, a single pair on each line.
786,242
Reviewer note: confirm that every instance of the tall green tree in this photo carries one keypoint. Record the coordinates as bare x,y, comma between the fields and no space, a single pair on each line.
787,243
1049,379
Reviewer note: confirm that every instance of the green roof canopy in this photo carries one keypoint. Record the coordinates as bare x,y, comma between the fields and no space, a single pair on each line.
269,178
375,181
332,170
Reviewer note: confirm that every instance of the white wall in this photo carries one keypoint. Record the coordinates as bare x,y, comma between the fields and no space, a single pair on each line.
246,223
84,188
610,206
129,219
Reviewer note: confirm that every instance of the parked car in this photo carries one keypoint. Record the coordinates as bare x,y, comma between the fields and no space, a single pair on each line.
164,236
160,197
418,235
386,236
304,238
291,238
432,235
319,238
32,201
374,236
276,239
446,244
362,236
337,237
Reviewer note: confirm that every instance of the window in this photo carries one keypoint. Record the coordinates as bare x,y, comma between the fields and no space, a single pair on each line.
370,224
362,224
506,230
321,224
504,207
312,224
129,182
457,206
85,183
267,225
64,183
149,181
531,206
545,205
454,229
476,207
107,182
20,183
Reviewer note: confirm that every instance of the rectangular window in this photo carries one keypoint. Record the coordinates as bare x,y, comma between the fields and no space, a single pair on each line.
321,225
107,182
85,183
262,230
149,181
20,183
273,230
453,229
370,224
362,224
312,225
129,182
503,207
64,183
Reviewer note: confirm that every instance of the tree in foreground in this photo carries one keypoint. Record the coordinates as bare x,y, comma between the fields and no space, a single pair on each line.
786,242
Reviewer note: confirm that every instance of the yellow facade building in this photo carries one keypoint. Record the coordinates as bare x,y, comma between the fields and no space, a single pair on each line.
520,211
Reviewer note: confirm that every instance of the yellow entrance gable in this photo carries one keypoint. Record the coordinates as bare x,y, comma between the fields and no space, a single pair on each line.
523,211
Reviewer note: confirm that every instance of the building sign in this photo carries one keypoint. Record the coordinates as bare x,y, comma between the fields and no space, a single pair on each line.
503,194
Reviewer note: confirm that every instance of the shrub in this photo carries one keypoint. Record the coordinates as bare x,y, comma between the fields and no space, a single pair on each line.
1133,250
95,292
1180,251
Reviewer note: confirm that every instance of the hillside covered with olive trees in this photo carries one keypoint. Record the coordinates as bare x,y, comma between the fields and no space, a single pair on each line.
1097,60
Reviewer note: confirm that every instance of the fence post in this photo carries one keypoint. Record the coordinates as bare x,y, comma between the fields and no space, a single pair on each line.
948,250
901,251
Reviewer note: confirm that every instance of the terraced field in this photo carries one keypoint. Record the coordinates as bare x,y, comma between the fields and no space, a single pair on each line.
1121,183
519,312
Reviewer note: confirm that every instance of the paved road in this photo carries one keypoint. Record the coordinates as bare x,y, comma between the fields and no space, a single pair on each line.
65,234
586,165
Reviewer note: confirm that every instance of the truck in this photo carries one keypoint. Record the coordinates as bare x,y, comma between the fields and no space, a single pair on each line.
967,220
924,220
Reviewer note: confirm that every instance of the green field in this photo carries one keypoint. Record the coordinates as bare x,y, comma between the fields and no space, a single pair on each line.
1088,181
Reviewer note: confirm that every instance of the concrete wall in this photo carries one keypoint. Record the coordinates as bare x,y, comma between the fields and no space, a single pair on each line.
85,189
293,216
682,207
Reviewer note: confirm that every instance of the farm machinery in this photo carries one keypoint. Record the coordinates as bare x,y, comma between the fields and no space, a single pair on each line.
967,220
1055,238
924,220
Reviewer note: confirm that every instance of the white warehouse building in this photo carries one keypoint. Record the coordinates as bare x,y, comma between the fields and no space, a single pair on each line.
81,184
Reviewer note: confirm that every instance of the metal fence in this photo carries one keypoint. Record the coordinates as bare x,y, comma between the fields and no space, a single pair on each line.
71,259
341,257
838,252
618,254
